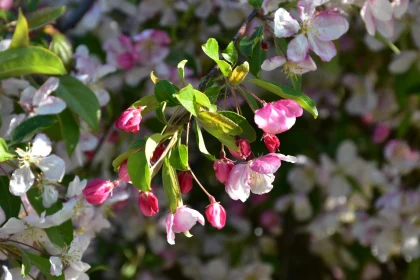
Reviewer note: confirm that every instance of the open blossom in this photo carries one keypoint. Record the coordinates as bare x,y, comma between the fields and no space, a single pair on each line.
40,102
222,168
216,214
401,156
278,117
182,220
316,30
148,203
152,46
52,166
290,67
120,52
254,176
130,119
185,181
97,191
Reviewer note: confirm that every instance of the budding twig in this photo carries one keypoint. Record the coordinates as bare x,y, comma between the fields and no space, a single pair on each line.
201,186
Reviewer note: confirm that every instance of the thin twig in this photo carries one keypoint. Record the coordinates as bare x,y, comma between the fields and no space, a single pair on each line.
236,38
188,131
201,186
253,94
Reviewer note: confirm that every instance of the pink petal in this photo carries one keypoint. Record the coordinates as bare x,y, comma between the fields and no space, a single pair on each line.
170,234
330,26
267,164
185,218
298,48
273,63
237,185
294,109
284,24
324,49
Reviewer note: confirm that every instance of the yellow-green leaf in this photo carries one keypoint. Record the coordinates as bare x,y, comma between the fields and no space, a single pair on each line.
221,123
21,36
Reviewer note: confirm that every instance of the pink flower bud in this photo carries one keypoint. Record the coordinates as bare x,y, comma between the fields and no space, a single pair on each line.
216,214
157,153
148,203
129,120
185,181
123,172
97,191
222,167
381,133
244,149
272,143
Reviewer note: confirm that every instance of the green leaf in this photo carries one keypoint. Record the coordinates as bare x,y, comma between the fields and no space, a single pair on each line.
8,202
296,82
144,101
160,113
134,147
230,53
30,60
289,93
213,93
224,67
246,45
32,125
181,74
257,59
255,3
44,265
44,16
225,139
179,157
248,131
21,36
281,46
4,154
139,171
219,122
32,5
165,91
211,48
80,99
171,185
62,47
61,235
413,271
26,264
202,99
69,130
186,97
201,144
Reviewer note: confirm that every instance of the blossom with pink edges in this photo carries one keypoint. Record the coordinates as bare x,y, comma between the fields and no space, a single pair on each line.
182,220
130,119
290,67
222,168
401,156
120,52
277,117
216,214
315,31
152,46
255,176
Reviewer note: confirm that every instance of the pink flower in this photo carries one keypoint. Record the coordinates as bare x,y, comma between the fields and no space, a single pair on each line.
152,46
120,52
254,176
185,181
97,191
129,120
272,143
148,203
244,149
222,168
318,30
181,221
290,67
381,133
216,214
278,117
401,156
6,4
123,173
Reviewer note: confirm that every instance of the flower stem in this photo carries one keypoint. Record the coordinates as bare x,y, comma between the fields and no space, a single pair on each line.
201,186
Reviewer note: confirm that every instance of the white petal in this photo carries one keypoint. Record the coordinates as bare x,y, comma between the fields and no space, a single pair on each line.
368,18
261,183
27,96
12,226
52,167
21,181
325,49
56,266
10,122
41,146
381,9
273,63
402,62
6,273
49,196
298,48
291,159
87,142
50,105
330,26
78,246
76,187
45,90
304,66
64,214
237,184
102,71
284,24
2,216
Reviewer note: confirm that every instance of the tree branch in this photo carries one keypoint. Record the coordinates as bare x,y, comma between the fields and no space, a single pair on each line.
236,38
